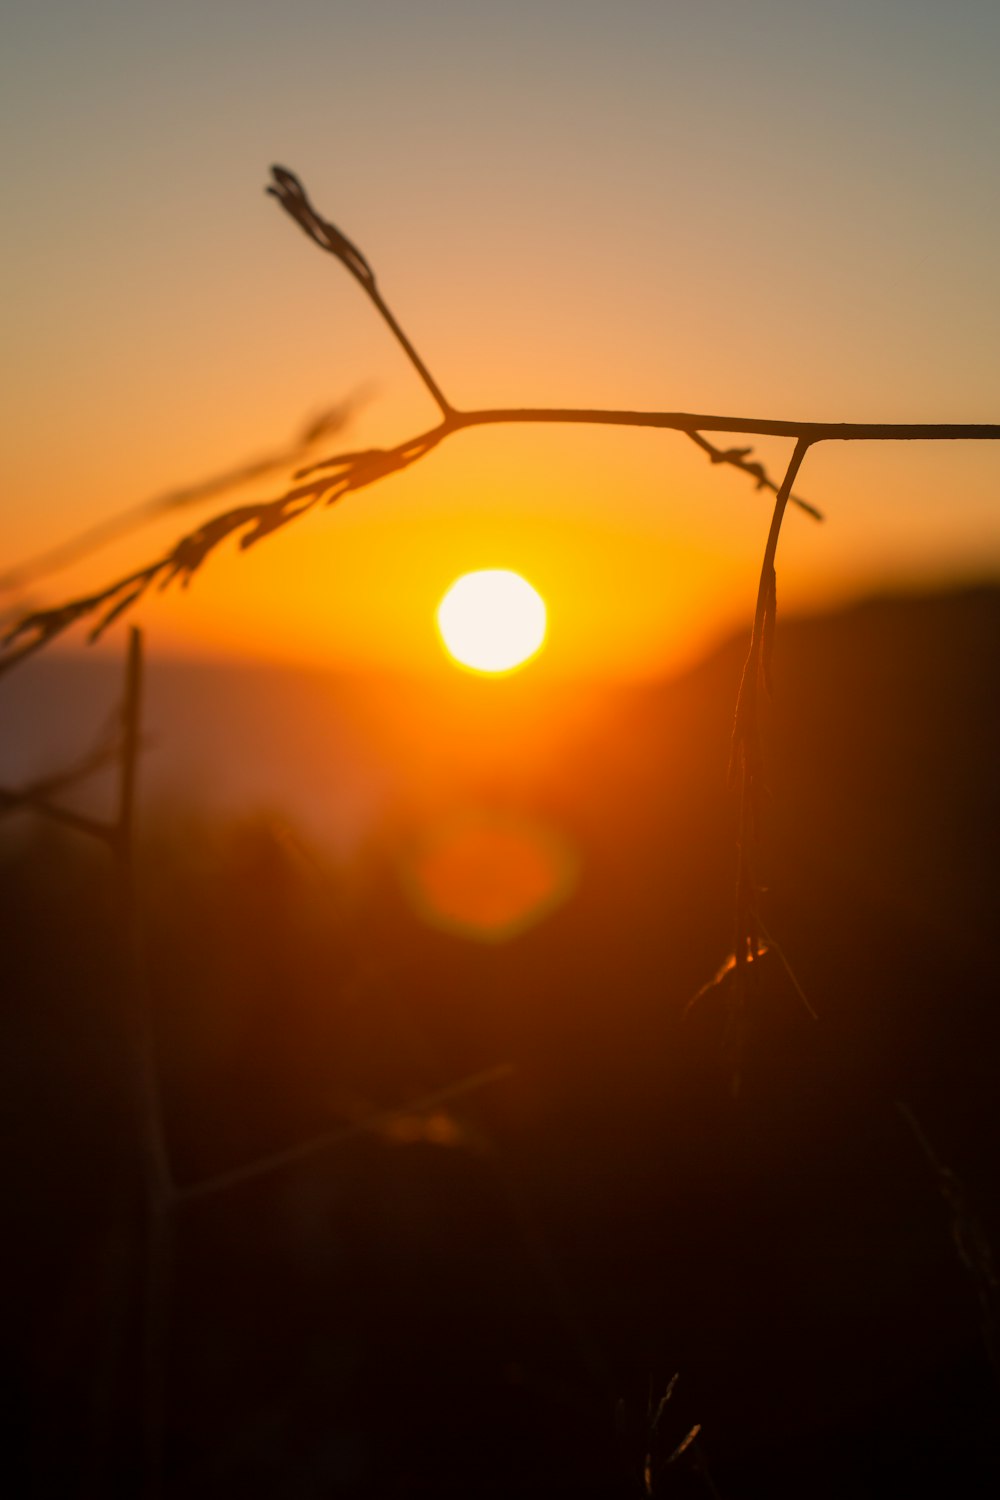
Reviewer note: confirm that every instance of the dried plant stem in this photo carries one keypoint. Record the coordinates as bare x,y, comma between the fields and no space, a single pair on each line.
36,802
408,349
969,1237
152,1135
37,796
277,1161
747,761
690,422
156,1228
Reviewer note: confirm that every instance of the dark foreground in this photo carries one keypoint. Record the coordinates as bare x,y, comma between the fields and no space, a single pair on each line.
488,1297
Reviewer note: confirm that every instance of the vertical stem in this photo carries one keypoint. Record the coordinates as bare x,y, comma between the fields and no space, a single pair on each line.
131,719
746,745
771,546
157,1182
153,1141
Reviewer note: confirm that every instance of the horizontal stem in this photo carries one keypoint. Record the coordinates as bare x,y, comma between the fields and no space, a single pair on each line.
50,623
684,421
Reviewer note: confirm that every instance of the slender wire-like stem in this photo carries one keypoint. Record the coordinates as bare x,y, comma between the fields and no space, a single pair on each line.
748,761
159,1181
156,1234
277,1161
969,1236
765,589
688,421
32,801
409,350
292,196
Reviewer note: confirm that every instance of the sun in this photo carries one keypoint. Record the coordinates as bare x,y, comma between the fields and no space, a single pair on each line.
492,621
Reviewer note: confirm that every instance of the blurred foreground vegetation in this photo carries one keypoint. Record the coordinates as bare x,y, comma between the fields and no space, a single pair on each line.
459,1301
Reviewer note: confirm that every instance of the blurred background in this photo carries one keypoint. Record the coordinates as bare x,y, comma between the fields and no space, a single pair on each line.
367,876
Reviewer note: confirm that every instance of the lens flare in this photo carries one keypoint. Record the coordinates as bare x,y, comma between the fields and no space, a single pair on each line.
489,876
492,621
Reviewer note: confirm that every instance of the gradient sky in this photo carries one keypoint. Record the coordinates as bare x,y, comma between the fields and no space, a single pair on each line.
779,210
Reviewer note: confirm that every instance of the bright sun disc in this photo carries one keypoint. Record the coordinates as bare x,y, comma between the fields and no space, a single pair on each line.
492,621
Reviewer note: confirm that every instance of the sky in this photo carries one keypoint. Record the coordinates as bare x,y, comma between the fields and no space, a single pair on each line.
781,210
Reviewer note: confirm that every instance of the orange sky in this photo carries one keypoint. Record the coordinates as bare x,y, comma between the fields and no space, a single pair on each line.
721,208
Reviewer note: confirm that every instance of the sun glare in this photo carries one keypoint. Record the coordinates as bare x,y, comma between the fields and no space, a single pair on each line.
492,621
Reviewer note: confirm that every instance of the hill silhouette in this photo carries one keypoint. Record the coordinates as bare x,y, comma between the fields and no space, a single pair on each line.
457,1305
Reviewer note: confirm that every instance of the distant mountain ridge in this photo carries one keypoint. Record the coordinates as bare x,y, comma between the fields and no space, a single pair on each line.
607,1206
220,723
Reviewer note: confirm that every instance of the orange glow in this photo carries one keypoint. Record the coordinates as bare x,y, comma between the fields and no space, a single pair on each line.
644,552
492,621
489,876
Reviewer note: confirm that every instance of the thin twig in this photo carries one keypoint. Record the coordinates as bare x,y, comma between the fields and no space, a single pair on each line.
157,1179
773,946
290,193
30,801
158,1173
690,421
969,1237
747,759
276,1161
37,796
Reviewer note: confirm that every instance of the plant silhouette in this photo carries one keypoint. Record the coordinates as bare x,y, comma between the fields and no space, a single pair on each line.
320,483
329,480
323,482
